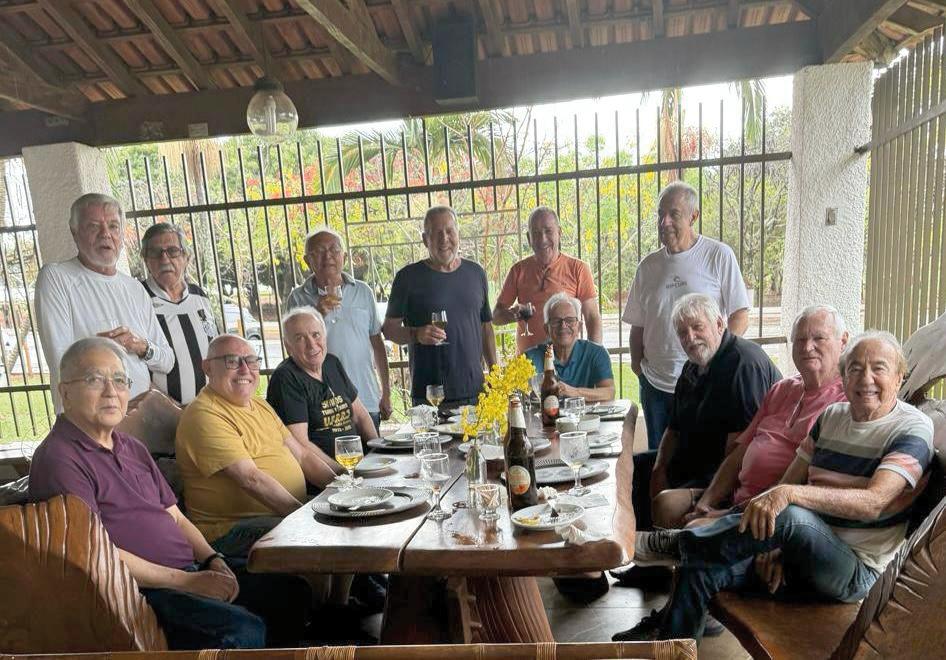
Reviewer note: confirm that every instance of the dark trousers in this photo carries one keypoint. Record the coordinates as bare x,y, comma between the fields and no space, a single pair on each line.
640,492
656,404
192,622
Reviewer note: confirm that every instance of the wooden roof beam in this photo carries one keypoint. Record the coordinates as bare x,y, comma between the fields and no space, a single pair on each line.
574,23
148,13
842,25
19,53
660,27
402,10
495,40
914,21
348,27
22,86
248,35
107,60
810,7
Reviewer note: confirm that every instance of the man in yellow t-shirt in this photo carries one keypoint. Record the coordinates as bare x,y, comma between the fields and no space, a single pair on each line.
242,468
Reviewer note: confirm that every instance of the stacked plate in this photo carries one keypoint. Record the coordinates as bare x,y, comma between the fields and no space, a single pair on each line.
554,471
368,502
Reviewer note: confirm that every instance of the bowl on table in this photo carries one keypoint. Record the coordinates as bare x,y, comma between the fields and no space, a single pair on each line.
589,423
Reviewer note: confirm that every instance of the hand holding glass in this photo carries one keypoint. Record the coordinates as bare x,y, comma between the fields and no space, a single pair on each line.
574,451
439,319
435,470
348,453
525,313
333,299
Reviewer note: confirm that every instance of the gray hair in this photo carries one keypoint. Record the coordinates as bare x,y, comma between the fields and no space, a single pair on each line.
879,335
437,210
539,211
77,210
318,231
215,343
304,310
681,188
163,228
560,297
695,305
839,326
69,363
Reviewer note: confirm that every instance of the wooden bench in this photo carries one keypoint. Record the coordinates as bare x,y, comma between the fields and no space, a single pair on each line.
902,615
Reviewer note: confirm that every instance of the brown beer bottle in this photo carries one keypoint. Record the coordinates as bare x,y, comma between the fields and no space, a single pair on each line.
549,397
520,461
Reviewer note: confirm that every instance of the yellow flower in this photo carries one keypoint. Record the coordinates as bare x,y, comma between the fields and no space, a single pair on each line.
493,401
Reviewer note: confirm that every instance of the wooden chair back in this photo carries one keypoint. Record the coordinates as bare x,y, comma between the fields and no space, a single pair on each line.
63,587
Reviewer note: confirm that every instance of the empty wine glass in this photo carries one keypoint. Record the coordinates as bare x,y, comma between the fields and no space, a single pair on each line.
348,453
574,451
439,319
426,443
525,313
435,470
423,418
573,409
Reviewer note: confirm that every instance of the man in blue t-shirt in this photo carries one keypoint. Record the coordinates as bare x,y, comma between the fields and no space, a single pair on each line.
583,367
452,355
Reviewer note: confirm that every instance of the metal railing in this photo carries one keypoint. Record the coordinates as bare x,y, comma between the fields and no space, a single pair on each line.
246,207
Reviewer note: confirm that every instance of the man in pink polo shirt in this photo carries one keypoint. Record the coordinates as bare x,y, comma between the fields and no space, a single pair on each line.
768,445
537,278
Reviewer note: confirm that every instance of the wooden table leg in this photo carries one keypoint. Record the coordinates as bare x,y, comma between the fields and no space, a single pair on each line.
510,610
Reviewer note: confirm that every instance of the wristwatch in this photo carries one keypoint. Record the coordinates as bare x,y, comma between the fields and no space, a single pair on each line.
204,565
149,351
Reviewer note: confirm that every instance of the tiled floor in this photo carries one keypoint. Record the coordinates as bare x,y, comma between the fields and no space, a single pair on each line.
619,609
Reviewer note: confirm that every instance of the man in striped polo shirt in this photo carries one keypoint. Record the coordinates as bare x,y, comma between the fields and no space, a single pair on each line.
836,519
182,308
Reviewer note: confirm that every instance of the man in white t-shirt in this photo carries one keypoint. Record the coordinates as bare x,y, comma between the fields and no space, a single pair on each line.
87,296
687,263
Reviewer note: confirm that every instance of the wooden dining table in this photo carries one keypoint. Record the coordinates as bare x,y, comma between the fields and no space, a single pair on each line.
461,580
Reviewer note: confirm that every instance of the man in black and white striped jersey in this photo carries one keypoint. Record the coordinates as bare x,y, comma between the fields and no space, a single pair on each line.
182,308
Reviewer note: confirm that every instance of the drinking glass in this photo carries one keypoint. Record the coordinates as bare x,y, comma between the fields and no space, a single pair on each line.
535,384
435,395
525,313
488,501
333,299
574,407
435,470
348,453
426,443
423,418
574,451
439,319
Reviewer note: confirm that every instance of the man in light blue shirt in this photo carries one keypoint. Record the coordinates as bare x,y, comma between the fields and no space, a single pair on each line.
353,324
583,367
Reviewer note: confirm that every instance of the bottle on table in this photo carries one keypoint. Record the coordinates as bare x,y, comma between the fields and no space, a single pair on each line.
475,472
520,461
548,395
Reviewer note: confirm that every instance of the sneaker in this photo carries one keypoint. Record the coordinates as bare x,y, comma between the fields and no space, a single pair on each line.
647,629
712,627
650,578
660,547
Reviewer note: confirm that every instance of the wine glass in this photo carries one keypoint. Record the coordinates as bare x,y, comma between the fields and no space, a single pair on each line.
426,443
525,313
348,453
435,395
333,299
439,319
435,470
574,451
574,407
423,418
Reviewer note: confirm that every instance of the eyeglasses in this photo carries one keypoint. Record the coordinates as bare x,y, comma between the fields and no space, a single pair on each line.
232,362
97,382
321,252
156,253
570,321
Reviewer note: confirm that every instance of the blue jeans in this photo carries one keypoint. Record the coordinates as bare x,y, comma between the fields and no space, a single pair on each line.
191,622
236,543
718,557
376,418
656,404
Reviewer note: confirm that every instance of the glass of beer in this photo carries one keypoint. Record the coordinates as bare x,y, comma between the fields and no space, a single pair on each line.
333,299
435,395
439,319
348,453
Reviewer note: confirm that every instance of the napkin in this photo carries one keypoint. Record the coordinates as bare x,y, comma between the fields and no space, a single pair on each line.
575,536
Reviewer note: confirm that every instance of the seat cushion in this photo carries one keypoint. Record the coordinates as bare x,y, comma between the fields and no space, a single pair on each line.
787,630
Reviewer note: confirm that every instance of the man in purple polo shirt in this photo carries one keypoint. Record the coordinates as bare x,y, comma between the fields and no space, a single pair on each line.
189,586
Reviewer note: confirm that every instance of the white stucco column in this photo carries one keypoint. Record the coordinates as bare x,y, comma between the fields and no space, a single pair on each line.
824,262
58,174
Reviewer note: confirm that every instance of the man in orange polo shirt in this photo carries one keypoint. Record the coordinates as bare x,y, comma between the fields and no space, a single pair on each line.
537,278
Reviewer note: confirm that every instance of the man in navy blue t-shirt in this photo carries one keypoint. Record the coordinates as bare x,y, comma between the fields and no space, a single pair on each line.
451,356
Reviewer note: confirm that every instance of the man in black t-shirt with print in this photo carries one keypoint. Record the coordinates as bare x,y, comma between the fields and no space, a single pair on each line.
452,356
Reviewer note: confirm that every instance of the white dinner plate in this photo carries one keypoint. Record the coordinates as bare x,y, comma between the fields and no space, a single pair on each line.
556,472
374,463
596,440
449,429
405,497
362,498
382,443
538,444
539,517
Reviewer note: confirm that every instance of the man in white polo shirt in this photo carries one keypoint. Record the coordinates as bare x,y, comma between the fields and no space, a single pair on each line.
87,296
687,263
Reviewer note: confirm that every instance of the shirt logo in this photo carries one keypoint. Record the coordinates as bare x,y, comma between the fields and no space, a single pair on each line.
675,283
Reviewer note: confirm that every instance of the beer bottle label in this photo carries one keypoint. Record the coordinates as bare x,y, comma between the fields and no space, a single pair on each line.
550,405
519,480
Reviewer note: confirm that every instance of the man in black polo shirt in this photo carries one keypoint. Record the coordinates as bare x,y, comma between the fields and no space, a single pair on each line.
722,385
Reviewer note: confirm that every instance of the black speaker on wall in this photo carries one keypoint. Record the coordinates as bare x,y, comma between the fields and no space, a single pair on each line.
454,49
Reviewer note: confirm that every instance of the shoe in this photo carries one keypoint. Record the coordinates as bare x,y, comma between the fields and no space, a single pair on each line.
712,627
650,578
647,629
581,589
660,547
